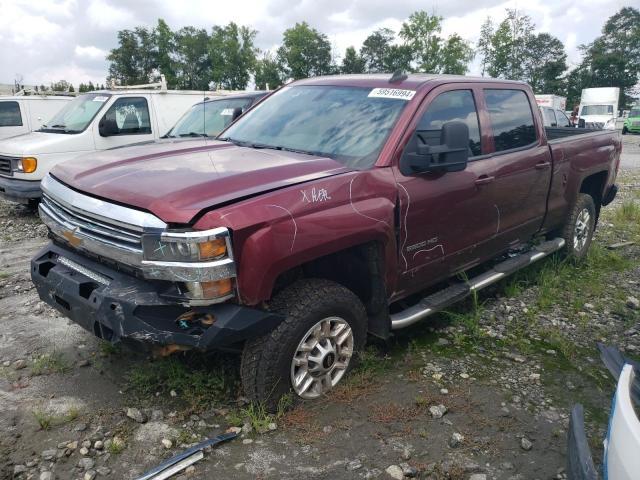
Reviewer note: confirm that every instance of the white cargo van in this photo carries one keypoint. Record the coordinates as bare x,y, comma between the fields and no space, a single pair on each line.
552,101
599,108
92,121
25,113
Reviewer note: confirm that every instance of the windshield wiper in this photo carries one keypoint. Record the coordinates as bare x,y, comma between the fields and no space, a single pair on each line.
193,134
242,143
59,125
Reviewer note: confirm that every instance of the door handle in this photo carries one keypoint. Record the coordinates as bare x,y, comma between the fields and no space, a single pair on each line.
484,179
542,165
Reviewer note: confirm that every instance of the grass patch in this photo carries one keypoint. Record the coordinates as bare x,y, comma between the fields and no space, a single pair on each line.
50,363
47,420
107,348
197,380
116,446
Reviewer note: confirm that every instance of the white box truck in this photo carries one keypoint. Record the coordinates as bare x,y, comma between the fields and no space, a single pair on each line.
599,108
552,101
93,121
25,113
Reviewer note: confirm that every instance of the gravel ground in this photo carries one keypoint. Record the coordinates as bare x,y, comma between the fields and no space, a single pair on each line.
482,392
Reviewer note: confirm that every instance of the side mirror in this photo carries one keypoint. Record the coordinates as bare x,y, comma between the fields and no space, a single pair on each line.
108,127
450,155
236,113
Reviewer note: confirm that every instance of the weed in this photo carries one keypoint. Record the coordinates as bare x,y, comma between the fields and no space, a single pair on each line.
116,446
108,348
50,363
258,416
184,437
190,377
47,420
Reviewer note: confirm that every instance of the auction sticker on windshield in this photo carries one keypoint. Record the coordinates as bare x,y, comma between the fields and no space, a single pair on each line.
398,93
100,99
227,112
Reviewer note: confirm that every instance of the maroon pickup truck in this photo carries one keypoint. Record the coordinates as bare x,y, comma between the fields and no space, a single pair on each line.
339,206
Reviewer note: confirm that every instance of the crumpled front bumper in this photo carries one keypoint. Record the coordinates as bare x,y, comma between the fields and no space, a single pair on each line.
118,307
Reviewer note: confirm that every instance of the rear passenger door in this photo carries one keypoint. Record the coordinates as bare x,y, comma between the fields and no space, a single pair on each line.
522,162
129,121
444,215
12,121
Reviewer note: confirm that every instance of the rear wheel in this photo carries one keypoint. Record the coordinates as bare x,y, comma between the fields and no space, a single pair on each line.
312,349
580,226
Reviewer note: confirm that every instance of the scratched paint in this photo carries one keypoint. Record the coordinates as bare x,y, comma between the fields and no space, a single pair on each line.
295,225
315,195
356,210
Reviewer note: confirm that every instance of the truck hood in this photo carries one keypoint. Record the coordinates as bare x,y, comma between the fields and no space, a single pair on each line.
35,143
175,180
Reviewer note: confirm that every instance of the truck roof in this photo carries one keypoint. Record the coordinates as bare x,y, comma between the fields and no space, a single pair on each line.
201,93
413,80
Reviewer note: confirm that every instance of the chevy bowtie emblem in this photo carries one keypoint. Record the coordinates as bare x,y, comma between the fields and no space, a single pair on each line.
70,235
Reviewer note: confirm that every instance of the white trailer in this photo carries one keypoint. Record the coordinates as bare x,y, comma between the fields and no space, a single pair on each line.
552,101
599,107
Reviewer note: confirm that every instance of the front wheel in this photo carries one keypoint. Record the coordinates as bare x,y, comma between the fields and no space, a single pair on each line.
312,349
624,130
580,226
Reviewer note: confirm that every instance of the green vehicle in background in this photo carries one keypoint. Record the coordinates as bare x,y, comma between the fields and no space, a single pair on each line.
632,123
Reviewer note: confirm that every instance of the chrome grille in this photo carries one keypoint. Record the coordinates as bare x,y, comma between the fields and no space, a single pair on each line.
5,165
80,222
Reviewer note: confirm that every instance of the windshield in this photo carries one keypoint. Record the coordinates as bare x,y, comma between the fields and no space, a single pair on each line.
634,113
208,118
76,114
349,124
597,110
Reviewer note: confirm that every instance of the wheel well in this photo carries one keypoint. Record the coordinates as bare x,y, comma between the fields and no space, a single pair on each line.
594,185
359,268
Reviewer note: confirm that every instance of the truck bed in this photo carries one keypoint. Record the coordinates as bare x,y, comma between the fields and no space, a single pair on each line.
560,133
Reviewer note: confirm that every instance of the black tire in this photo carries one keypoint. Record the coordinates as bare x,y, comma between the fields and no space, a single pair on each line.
624,130
577,245
267,361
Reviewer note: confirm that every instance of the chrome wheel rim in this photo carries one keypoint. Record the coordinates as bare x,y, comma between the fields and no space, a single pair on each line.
322,357
582,230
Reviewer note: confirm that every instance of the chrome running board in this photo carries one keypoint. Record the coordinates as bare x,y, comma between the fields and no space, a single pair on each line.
450,295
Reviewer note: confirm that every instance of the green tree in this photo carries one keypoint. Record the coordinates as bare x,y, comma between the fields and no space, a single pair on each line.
509,46
192,58
375,50
431,52
352,62
399,57
545,63
165,47
484,46
305,52
233,56
613,59
267,74
123,67
60,86
456,55
422,33
71,89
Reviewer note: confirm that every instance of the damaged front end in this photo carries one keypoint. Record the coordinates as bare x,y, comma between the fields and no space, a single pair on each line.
124,275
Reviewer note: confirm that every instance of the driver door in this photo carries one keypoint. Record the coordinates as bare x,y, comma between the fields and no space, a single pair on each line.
446,218
126,121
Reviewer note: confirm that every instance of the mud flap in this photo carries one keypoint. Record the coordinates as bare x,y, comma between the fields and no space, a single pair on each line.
579,461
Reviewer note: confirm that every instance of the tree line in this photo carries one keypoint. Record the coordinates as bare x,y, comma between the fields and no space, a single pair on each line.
192,58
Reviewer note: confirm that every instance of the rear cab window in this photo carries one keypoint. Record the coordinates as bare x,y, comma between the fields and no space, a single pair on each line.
511,118
10,115
451,106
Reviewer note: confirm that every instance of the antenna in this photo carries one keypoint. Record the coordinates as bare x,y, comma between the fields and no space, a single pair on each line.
398,76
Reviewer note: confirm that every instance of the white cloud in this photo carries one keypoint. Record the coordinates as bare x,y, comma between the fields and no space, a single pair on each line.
108,17
52,39
91,52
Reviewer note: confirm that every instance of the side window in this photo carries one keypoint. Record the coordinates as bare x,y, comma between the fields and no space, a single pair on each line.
128,116
10,114
511,118
549,117
458,106
563,120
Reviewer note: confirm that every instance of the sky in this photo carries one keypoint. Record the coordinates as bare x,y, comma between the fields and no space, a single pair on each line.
42,41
